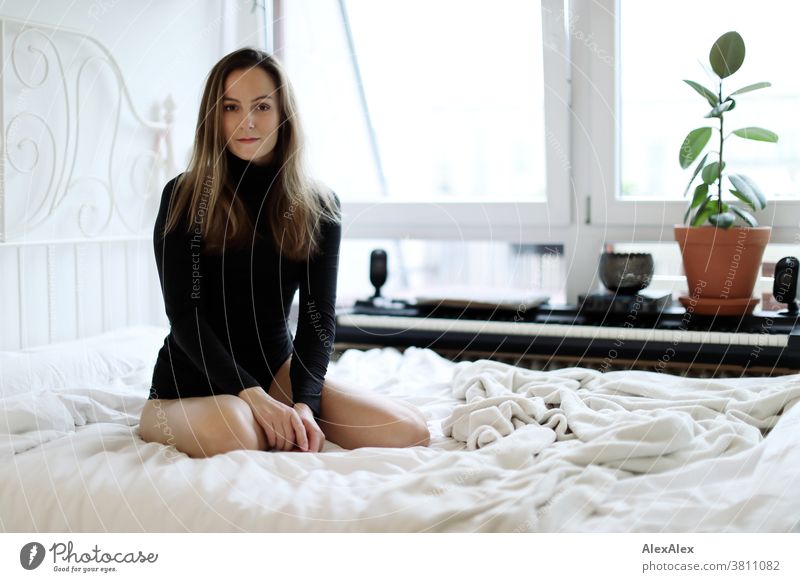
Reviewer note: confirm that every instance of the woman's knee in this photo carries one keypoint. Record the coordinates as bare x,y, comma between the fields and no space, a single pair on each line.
420,434
415,411
153,424
416,426
411,431
229,426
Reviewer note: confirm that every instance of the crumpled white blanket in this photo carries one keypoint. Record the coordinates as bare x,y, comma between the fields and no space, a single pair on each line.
641,422
571,450
34,418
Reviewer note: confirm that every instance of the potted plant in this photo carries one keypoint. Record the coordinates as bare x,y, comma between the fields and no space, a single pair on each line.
722,244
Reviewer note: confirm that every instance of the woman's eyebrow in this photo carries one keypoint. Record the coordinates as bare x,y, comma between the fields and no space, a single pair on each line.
256,99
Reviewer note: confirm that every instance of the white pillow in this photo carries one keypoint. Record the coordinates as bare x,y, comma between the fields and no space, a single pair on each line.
85,362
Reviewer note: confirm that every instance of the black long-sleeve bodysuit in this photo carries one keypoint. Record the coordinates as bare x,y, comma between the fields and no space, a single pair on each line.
228,312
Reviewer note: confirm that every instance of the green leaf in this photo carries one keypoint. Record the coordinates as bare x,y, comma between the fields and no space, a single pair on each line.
756,133
749,189
744,215
701,200
722,220
693,144
703,215
711,172
726,105
727,54
694,175
700,194
712,99
747,198
703,212
756,190
752,87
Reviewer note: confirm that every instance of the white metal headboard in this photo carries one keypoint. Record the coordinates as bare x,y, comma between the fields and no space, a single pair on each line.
80,178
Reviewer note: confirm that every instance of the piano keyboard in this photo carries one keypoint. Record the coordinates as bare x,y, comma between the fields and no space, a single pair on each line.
555,330
765,344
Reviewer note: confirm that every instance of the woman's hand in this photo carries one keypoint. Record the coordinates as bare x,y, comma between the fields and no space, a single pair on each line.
282,425
316,438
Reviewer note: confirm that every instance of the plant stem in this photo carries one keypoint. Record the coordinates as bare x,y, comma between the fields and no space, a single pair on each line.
721,140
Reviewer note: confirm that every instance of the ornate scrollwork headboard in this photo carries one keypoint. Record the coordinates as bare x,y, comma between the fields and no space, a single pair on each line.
78,159
81,172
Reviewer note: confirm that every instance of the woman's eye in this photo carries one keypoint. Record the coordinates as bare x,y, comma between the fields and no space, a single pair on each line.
263,107
229,108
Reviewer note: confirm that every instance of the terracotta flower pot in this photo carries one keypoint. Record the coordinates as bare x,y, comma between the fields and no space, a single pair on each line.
722,266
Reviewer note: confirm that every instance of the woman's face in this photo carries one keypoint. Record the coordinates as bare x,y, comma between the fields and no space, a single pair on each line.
250,118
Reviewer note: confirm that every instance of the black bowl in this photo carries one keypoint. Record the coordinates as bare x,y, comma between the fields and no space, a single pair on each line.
626,273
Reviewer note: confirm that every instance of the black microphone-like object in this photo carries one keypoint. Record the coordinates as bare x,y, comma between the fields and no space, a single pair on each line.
378,270
784,287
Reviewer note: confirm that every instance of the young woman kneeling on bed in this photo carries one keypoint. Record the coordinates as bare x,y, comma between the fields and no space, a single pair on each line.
235,237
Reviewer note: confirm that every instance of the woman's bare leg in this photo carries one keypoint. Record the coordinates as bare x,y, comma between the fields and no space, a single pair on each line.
202,426
208,425
353,418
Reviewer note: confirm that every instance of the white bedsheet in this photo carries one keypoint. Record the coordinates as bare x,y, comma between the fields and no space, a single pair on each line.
511,450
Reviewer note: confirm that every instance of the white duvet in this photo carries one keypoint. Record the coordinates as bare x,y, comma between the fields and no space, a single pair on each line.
512,450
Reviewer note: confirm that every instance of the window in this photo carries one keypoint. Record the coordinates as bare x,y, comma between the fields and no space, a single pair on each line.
638,110
611,107
659,48
428,118
438,100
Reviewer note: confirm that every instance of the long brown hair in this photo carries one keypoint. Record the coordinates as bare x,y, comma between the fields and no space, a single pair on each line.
296,204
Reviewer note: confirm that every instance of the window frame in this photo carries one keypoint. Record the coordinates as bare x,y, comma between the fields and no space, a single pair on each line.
584,210
607,206
516,221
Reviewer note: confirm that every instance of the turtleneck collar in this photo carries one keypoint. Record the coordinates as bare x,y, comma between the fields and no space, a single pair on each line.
246,174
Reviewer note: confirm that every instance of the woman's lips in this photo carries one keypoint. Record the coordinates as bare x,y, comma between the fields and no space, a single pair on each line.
247,139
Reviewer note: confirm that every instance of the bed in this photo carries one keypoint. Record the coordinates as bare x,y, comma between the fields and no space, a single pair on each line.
512,450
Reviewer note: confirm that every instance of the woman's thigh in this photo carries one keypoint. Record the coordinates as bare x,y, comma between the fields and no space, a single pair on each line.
281,390
202,426
281,387
352,418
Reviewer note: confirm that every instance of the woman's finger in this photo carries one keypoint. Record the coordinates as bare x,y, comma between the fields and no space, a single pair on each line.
263,422
313,441
292,438
288,431
300,432
268,430
280,435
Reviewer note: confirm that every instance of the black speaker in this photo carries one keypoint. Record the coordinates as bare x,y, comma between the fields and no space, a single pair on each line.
378,270
784,288
378,305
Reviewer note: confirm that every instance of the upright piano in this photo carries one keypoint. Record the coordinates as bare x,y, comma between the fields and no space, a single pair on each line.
664,339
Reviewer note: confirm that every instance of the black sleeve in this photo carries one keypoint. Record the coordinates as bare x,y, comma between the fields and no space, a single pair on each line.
180,271
316,320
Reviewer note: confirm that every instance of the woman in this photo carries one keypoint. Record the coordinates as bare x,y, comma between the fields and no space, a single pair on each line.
236,235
